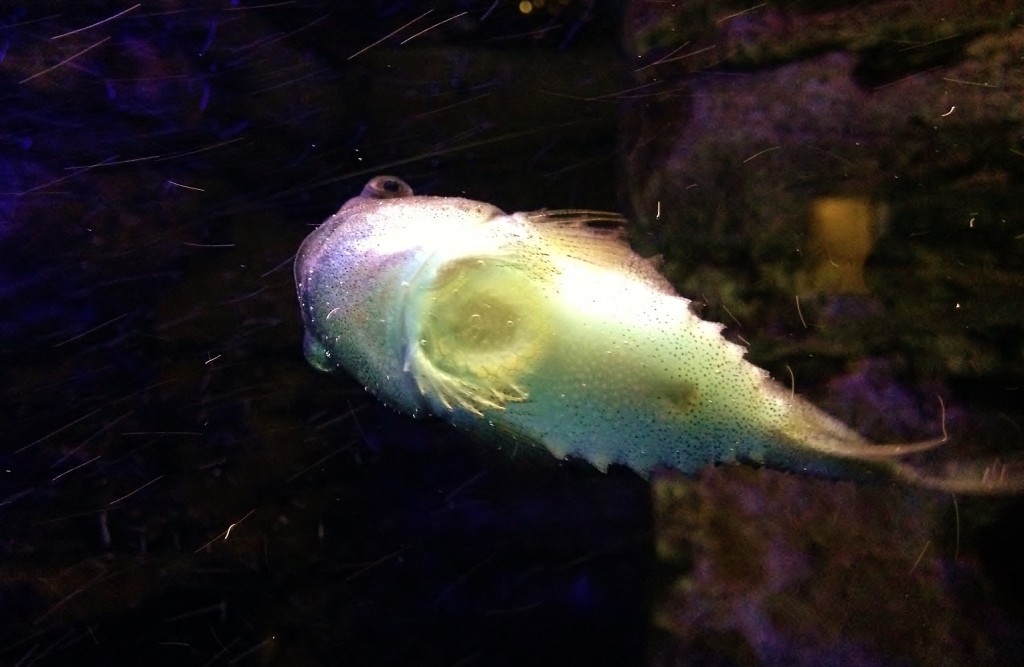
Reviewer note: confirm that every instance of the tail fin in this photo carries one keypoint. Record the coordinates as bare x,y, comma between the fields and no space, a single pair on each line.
974,477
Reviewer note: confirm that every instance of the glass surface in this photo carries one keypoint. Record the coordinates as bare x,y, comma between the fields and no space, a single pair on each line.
838,184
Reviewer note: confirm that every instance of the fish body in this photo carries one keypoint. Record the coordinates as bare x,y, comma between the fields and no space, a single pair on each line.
546,328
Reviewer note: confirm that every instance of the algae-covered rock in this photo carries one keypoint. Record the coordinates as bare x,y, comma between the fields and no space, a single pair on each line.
771,568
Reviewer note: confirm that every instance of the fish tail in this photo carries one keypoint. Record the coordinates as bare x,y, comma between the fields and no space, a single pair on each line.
993,477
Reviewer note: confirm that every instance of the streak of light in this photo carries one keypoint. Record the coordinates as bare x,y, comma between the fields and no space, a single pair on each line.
913,567
95,328
440,23
321,460
906,78
280,266
665,57
759,153
111,161
259,44
454,105
86,442
383,167
226,532
80,465
132,493
58,180
268,5
65,61
970,83
800,312
53,433
390,34
161,433
741,13
252,649
929,43
187,187
383,559
93,25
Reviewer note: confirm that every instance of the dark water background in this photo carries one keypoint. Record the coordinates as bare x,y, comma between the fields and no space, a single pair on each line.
177,486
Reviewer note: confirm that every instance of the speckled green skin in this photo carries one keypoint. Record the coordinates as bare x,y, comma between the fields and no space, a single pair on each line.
542,328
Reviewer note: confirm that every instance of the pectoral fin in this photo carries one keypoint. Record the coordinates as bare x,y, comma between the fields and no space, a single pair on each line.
473,394
479,329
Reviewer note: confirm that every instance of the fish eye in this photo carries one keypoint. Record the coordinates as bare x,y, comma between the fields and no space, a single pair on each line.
386,187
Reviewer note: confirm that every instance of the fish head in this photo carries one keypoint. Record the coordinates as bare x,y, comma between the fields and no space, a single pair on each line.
358,272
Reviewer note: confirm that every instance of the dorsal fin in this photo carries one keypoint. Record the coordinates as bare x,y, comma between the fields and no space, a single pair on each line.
597,237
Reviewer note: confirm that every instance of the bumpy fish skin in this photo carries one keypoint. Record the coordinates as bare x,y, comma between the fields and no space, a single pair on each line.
546,328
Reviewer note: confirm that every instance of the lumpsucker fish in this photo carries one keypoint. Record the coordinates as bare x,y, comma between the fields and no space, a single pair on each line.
545,327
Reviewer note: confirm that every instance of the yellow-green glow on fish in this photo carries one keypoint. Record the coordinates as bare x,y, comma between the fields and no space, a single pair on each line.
546,328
